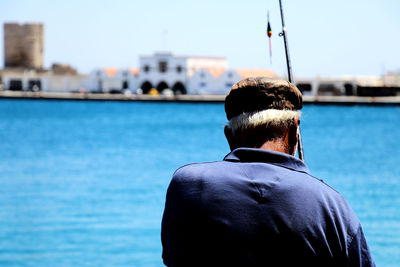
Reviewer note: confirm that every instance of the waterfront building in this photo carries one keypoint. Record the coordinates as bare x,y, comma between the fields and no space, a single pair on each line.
64,83
60,78
112,80
164,71
206,82
23,46
387,85
23,80
191,74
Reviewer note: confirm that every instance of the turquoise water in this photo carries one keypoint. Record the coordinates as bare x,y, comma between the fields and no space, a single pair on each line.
83,183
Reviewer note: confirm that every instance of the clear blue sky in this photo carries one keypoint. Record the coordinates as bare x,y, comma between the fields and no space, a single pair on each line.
326,38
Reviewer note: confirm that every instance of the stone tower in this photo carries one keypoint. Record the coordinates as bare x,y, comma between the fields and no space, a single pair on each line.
23,45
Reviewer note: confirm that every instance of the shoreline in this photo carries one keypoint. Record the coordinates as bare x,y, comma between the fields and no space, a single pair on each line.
317,100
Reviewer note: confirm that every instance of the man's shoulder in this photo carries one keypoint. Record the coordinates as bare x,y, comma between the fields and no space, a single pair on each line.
212,178
203,173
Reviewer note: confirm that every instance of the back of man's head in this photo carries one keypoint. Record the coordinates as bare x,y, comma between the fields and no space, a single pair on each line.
260,110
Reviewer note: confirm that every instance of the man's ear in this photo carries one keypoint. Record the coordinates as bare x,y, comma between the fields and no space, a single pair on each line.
293,136
229,136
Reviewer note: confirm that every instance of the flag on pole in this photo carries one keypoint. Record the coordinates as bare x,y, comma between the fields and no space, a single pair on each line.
269,34
269,31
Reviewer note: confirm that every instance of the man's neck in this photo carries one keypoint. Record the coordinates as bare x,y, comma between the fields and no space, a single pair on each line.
278,146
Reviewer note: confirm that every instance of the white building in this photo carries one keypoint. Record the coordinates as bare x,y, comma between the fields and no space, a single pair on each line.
109,80
220,81
232,76
204,82
191,74
165,71
31,80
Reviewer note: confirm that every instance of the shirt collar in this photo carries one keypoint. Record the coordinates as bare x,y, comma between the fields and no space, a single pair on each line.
243,154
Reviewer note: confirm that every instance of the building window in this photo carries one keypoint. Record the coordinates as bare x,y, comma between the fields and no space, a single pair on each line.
202,74
146,68
203,84
304,87
162,66
229,85
230,74
179,69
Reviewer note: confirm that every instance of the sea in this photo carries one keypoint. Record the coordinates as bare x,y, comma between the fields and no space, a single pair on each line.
83,183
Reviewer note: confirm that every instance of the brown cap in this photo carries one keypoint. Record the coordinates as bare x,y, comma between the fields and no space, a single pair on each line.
260,93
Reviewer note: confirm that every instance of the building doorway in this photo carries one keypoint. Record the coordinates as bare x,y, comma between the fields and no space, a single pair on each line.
162,86
179,89
146,87
35,85
15,85
125,85
349,89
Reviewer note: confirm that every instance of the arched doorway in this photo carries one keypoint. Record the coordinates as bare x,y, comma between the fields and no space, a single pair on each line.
146,87
125,84
179,89
162,86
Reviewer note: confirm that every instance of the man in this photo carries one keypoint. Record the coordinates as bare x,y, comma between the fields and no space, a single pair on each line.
259,206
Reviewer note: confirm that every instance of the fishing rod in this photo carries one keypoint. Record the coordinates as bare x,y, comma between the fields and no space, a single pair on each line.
283,34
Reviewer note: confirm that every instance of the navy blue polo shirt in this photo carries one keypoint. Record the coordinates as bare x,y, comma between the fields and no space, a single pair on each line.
258,208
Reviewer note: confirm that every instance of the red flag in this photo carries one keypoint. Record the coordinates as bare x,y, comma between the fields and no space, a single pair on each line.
269,34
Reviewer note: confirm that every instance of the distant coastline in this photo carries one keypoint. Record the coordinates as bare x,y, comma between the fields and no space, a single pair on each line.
318,100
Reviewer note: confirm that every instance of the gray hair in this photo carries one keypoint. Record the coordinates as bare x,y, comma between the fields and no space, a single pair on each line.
270,117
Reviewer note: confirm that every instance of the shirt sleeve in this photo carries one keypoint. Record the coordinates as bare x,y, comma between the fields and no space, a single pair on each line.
181,221
359,253
171,220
